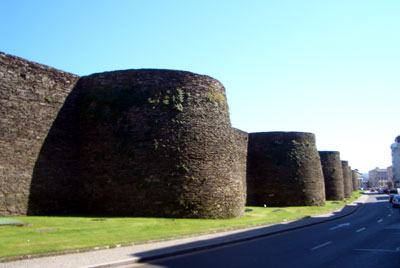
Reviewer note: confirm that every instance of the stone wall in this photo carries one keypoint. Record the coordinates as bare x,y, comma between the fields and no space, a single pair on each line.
32,96
333,175
284,169
140,143
158,143
242,140
354,177
136,142
347,179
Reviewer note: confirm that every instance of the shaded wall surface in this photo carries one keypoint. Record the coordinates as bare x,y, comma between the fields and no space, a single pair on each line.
347,179
333,175
284,169
31,96
158,143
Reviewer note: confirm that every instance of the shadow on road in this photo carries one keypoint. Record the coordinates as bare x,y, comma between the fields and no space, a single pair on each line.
245,235
380,198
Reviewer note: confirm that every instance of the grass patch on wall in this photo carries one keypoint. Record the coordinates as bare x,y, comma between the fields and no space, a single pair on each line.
51,234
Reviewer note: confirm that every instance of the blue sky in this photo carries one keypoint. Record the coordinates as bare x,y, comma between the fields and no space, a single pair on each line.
327,67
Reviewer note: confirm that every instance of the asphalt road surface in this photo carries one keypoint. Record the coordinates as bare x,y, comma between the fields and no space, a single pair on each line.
368,238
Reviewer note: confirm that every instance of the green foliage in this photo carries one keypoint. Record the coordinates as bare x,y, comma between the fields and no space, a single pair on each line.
182,168
49,100
298,152
154,102
155,144
216,97
166,100
179,98
178,107
173,99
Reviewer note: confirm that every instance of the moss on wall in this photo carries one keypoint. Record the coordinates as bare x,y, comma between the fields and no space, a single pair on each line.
158,143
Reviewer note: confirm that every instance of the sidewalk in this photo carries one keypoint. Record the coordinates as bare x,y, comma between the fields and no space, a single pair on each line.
149,251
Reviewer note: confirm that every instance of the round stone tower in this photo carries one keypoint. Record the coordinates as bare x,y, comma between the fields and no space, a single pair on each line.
354,176
347,179
284,169
242,140
333,175
158,143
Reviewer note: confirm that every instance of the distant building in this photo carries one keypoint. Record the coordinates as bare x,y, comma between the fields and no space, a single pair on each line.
396,161
379,177
364,180
390,174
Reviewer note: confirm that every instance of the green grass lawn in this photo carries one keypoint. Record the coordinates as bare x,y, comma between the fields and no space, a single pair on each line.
52,234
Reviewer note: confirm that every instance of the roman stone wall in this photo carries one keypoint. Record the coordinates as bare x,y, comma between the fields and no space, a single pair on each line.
284,169
31,98
242,140
136,142
140,143
355,180
347,179
158,143
333,175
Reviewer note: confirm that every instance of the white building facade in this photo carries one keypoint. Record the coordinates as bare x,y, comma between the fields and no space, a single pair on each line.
378,177
396,162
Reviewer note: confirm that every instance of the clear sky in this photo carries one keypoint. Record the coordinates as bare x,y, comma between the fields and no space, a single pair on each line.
330,67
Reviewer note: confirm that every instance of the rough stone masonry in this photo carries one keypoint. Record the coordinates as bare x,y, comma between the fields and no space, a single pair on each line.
31,96
135,142
284,169
158,143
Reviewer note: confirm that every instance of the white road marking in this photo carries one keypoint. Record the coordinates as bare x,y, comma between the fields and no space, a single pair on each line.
322,245
360,230
340,226
381,220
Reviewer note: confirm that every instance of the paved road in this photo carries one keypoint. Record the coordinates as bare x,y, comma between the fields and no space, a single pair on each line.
368,238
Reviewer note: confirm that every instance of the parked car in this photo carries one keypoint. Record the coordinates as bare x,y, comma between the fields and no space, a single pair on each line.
392,192
396,201
385,190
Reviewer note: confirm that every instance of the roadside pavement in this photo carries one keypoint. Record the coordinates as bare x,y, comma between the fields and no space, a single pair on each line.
125,255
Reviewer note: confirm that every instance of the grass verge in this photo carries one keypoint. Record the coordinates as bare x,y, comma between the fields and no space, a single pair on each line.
52,234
